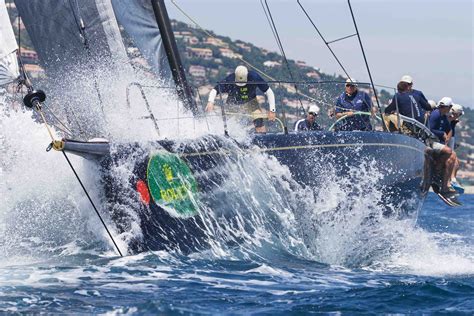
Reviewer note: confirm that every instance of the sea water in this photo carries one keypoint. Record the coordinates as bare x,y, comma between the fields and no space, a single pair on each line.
276,247
431,269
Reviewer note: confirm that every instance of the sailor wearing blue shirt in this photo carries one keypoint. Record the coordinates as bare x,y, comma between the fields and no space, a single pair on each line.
243,93
421,101
411,103
441,127
350,101
309,123
439,123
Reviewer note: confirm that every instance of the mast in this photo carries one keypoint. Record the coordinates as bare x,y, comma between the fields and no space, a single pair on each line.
182,86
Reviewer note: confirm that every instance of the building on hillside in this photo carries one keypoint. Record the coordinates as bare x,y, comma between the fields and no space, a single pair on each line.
197,71
229,53
28,56
192,40
216,42
34,71
15,23
289,87
313,75
244,47
187,37
301,64
204,53
271,64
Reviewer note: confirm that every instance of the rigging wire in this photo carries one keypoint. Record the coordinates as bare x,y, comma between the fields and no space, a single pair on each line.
280,45
82,32
240,58
324,40
25,80
59,145
366,62
337,59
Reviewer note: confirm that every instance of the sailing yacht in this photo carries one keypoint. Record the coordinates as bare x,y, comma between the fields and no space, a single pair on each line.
82,39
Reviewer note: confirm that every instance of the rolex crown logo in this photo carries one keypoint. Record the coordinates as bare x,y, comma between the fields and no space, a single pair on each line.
168,172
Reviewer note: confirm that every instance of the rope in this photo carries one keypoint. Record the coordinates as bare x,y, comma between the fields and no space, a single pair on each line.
59,145
92,203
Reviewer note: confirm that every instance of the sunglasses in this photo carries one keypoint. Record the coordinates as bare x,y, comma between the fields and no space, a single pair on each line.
312,113
350,85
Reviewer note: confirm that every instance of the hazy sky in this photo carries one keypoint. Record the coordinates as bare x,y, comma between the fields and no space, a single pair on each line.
431,40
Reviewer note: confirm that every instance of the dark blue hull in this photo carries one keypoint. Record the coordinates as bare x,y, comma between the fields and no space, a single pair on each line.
397,162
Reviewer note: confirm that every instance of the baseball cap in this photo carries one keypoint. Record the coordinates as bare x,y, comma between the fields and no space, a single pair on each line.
351,81
446,101
407,78
241,73
314,109
457,109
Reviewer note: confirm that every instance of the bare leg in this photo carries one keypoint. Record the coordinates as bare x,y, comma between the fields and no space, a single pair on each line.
448,167
456,168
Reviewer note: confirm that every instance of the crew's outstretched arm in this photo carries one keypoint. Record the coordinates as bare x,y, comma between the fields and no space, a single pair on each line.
211,100
271,99
271,102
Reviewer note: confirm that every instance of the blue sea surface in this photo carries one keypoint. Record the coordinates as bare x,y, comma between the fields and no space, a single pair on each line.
424,269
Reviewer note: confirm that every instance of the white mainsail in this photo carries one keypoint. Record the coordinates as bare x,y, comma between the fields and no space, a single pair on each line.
9,70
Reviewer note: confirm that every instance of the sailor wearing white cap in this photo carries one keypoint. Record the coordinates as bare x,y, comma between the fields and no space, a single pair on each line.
309,123
350,101
417,95
241,87
441,127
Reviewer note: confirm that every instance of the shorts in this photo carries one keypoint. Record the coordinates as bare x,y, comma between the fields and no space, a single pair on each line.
253,113
437,147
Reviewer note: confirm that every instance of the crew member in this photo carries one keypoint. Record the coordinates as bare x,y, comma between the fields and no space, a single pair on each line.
441,127
411,103
241,87
309,123
350,101
421,101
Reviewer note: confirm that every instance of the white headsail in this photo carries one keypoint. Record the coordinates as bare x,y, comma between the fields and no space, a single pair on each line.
9,71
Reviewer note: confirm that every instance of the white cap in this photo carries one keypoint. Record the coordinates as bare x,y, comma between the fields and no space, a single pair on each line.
241,73
407,78
314,109
457,109
433,104
446,101
351,80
